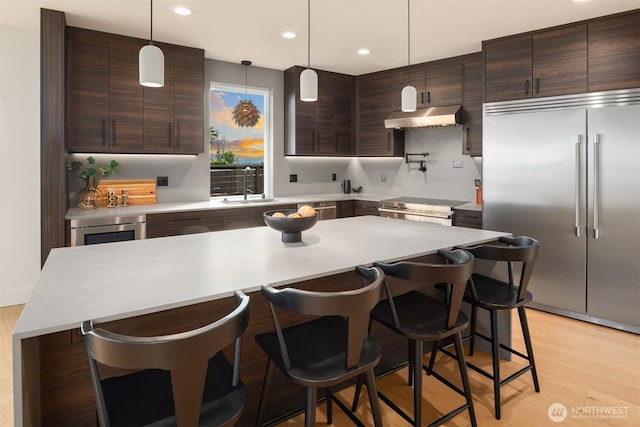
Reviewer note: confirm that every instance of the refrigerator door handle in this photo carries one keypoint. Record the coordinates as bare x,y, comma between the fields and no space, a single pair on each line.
578,227
596,173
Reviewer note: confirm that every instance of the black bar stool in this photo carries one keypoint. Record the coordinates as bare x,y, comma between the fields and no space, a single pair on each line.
494,295
182,379
421,318
327,350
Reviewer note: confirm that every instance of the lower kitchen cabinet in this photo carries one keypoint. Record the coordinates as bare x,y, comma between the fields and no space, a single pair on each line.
467,218
205,220
251,216
189,222
345,208
366,207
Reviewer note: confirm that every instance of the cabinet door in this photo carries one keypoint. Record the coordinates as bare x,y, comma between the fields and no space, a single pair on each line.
614,53
87,92
189,222
345,208
366,207
250,216
125,98
343,89
508,68
189,100
472,102
444,86
560,61
159,132
374,105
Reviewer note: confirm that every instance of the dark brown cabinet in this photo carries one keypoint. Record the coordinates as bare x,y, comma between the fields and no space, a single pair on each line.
546,63
178,223
435,85
108,111
366,207
323,127
345,208
104,99
173,114
374,105
472,105
614,52
467,218
205,220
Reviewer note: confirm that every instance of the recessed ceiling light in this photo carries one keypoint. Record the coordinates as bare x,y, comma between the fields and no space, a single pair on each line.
289,35
364,51
182,10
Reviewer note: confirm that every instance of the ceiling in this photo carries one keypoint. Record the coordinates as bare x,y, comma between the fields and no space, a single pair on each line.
234,30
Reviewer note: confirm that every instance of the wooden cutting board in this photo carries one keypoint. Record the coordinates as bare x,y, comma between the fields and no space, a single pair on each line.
141,191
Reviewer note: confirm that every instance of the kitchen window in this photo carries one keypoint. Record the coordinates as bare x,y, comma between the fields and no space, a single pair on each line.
239,137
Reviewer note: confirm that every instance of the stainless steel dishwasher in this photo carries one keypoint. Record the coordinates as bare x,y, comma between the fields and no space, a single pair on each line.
326,210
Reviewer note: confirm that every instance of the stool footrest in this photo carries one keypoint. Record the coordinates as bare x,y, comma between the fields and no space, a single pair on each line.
444,380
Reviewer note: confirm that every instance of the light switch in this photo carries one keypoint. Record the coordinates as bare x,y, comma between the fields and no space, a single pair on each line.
458,164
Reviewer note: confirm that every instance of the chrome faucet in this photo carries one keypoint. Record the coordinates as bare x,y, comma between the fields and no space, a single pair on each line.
244,182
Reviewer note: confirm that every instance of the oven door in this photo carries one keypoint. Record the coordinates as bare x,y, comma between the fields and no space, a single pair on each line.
92,231
420,216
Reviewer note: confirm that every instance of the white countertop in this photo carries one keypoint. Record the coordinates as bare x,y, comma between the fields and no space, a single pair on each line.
123,279
217,203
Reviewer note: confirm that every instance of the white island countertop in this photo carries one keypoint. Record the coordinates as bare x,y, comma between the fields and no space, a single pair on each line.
124,279
119,280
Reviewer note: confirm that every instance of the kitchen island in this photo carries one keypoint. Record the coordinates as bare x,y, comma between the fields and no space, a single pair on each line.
169,284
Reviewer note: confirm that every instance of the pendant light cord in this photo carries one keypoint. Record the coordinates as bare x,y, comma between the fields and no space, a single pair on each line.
151,19
409,38
308,33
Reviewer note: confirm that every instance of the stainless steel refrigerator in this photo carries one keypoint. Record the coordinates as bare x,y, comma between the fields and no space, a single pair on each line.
566,171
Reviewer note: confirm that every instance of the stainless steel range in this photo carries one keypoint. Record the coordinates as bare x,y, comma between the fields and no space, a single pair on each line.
436,211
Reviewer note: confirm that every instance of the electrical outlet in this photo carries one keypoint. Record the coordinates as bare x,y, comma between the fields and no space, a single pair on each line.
458,164
333,177
383,177
293,177
162,181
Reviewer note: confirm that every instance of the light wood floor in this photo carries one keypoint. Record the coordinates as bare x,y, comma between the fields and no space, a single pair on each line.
583,366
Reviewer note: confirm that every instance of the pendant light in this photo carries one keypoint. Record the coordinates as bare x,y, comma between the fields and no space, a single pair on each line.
409,93
151,62
246,114
308,77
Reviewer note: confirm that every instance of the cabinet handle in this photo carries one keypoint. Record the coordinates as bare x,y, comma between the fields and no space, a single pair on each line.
466,140
335,139
389,141
113,133
170,134
428,97
318,141
537,85
104,132
596,184
526,87
577,187
313,141
422,98
187,219
177,134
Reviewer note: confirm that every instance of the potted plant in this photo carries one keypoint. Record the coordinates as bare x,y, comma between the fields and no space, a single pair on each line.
91,195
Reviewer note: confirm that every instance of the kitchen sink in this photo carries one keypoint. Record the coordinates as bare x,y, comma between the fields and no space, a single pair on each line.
239,200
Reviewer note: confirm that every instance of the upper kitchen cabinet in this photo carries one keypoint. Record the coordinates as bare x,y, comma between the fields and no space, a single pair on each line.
373,92
108,111
173,114
323,127
436,85
614,52
544,63
104,99
472,106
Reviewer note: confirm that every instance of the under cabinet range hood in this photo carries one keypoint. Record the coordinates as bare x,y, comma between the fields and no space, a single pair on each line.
450,115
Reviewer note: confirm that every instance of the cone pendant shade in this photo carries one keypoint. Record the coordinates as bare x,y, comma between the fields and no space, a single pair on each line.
308,85
151,63
409,95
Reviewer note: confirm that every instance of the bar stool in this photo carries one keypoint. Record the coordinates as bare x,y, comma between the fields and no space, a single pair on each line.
182,379
494,295
421,318
332,347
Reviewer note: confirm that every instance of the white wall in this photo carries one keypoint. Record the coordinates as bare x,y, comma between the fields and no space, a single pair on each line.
19,152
